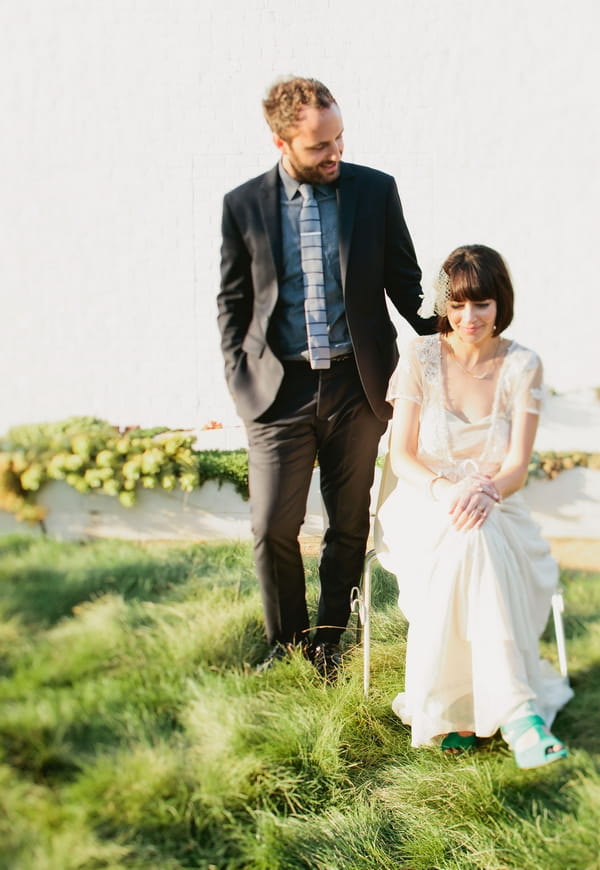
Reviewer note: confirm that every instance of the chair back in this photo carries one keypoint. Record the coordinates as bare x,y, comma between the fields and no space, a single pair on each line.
386,487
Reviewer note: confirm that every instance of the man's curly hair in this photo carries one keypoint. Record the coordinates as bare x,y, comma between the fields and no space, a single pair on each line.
286,97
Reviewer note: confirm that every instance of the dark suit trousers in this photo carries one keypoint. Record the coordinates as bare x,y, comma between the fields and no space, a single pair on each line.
316,413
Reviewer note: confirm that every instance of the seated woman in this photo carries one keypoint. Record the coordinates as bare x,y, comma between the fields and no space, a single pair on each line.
475,576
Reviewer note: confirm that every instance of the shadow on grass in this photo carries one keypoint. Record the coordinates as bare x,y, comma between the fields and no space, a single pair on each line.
581,611
42,581
15,545
45,763
577,724
42,596
384,589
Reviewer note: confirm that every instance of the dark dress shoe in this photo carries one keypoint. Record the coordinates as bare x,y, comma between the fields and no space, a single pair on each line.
327,659
282,651
278,652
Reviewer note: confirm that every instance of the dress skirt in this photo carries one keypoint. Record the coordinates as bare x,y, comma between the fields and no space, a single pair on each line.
477,603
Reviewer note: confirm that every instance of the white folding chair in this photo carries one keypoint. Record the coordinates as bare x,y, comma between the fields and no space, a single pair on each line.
360,603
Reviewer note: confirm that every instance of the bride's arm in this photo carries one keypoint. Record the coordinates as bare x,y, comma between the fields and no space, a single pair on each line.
527,394
404,440
406,392
513,472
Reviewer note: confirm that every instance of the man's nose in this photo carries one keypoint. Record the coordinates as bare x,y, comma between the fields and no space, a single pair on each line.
335,152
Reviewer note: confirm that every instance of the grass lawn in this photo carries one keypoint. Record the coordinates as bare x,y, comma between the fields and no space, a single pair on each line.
135,735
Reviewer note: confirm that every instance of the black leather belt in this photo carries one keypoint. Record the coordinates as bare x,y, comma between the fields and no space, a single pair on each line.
304,362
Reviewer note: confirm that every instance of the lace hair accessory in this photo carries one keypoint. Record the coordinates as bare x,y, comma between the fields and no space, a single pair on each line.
435,300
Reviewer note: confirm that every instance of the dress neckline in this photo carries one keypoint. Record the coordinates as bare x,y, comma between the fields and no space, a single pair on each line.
491,417
464,419
494,409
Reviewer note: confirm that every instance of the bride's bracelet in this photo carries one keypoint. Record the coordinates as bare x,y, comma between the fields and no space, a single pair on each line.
432,481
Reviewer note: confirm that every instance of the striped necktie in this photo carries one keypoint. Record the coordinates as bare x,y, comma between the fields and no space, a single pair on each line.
315,309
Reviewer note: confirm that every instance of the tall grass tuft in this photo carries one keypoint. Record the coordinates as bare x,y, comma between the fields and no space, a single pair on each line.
135,733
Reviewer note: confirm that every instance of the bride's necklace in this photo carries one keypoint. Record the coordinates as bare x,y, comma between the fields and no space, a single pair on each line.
486,374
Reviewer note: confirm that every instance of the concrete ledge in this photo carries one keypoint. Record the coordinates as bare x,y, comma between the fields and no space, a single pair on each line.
566,507
210,512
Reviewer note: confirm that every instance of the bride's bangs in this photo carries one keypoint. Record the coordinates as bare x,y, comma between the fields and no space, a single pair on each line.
466,286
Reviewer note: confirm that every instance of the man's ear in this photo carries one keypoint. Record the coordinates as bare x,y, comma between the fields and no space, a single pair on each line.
279,143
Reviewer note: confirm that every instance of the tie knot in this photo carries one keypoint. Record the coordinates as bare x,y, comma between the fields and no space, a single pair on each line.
306,191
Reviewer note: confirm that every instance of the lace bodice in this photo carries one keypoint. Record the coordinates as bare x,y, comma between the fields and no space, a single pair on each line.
449,443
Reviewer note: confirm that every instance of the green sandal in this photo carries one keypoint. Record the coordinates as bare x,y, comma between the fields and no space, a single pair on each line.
540,753
454,741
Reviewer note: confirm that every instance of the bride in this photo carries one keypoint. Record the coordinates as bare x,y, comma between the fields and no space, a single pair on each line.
475,577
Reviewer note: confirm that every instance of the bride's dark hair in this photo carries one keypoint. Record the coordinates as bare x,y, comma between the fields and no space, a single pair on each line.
477,272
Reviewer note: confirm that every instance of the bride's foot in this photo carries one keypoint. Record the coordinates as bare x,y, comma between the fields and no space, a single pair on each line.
458,741
532,743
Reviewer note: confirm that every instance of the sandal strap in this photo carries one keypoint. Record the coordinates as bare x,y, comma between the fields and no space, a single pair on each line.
454,740
517,727
544,751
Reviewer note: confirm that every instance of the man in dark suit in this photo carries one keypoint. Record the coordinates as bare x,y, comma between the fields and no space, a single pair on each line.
299,404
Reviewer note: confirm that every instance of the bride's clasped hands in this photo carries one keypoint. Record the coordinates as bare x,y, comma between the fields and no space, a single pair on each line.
470,501
474,503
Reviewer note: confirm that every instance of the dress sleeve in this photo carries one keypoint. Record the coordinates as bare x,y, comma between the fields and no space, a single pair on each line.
406,381
529,385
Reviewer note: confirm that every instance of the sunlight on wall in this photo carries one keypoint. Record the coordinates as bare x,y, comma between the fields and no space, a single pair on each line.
127,122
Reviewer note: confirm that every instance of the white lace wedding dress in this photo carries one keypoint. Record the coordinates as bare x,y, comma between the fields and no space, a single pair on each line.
476,601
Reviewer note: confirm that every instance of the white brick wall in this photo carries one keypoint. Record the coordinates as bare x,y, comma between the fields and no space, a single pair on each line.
125,121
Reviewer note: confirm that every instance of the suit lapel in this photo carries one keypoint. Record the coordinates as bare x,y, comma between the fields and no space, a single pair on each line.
269,204
347,197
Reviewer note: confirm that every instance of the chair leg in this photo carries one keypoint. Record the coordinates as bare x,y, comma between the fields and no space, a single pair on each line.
360,601
558,606
356,606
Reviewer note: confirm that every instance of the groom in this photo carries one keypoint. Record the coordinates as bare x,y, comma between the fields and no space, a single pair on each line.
310,249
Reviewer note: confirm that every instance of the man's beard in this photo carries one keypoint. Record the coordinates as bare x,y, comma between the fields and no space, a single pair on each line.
311,174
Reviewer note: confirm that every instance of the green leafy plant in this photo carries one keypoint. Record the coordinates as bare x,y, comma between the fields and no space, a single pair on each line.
549,463
92,455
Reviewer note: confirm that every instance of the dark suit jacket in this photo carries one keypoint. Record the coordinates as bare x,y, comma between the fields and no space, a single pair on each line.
376,257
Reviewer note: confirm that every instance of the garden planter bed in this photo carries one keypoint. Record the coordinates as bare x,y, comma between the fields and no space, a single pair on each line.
566,507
